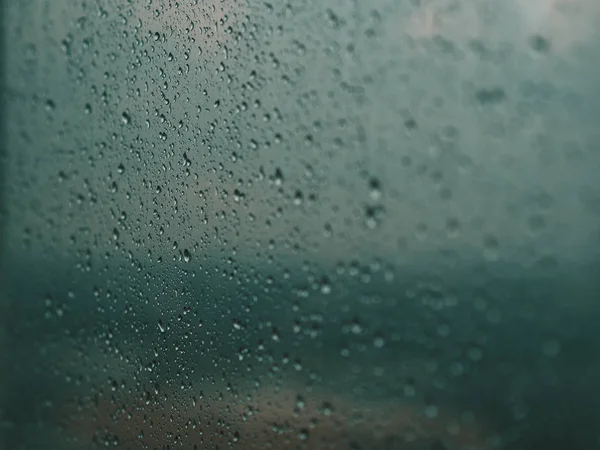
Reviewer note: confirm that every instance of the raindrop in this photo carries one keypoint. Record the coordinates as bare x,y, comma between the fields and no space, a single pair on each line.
278,179
303,434
50,105
375,189
325,286
378,342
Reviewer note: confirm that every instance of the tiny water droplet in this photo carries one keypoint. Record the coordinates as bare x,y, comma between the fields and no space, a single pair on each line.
275,335
303,434
378,342
50,105
298,198
278,179
325,286
326,409
375,191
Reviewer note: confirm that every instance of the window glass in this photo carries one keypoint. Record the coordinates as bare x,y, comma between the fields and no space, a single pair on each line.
300,224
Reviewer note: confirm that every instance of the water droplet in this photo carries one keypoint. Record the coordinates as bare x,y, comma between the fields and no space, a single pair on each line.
278,178
540,44
275,335
372,216
325,286
536,224
187,256
356,328
378,342
431,411
326,409
452,227
456,368
475,354
50,105
303,434
490,248
375,191
298,197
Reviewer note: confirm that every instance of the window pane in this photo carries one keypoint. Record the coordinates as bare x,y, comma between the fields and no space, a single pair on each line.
308,224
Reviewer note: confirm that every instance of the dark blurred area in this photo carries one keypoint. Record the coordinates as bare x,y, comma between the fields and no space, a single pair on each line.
525,365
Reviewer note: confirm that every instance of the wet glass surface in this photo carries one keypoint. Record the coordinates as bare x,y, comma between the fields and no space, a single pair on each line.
314,224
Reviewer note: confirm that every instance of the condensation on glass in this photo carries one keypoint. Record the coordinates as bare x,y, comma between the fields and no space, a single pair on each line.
300,224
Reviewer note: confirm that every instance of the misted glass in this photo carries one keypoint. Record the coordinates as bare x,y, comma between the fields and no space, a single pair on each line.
311,224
